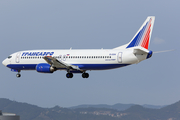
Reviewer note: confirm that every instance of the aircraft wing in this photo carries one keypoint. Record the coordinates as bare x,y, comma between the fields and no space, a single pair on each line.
59,64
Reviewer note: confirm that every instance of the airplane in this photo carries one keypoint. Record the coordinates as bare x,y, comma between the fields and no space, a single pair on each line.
83,60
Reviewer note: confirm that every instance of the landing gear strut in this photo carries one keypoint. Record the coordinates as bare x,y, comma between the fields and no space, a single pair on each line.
85,75
69,75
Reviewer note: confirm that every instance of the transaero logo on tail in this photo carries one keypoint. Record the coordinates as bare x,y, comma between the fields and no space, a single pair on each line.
37,53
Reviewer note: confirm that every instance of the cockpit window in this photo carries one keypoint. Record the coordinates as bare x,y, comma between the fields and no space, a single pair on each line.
9,57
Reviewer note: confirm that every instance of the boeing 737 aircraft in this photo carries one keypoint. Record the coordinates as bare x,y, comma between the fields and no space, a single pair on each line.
80,61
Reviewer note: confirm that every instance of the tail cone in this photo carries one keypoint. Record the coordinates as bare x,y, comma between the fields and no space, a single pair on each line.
149,54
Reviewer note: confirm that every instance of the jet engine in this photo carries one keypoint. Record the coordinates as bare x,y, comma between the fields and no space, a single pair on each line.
44,68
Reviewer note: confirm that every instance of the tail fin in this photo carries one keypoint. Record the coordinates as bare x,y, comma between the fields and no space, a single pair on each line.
143,36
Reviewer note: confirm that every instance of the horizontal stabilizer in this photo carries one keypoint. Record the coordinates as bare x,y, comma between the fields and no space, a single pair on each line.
140,51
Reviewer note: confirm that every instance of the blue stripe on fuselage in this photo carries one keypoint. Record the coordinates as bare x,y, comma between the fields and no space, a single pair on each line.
22,66
99,66
81,66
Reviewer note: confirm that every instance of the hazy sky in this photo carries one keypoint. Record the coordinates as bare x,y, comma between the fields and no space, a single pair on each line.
81,24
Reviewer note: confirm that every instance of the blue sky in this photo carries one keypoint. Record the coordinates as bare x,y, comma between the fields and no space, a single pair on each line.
95,24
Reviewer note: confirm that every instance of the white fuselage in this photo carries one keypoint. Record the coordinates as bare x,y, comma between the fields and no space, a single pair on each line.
96,59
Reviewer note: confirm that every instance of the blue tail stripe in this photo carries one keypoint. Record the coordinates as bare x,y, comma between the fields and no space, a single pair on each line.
136,41
140,36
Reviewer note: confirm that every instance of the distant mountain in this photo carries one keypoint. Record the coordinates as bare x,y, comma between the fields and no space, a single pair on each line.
135,112
32,112
170,112
119,106
23,109
153,106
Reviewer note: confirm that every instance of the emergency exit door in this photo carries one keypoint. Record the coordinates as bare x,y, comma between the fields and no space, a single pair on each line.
119,57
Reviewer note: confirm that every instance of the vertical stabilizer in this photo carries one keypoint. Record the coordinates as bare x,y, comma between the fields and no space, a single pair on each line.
143,36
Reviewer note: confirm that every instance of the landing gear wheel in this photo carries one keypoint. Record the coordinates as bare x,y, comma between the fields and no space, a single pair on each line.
85,75
69,75
18,75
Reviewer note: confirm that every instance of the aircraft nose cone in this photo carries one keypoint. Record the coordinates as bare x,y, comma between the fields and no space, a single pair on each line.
4,62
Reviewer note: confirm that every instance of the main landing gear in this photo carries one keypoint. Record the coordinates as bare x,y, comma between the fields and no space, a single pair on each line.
18,74
85,75
70,75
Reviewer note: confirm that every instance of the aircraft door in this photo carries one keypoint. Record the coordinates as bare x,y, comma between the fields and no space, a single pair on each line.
119,57
17,59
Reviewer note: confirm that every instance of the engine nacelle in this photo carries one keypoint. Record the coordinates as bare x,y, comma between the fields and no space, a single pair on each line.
44,68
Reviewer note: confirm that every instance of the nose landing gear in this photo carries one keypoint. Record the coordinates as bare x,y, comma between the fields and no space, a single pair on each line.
18,74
